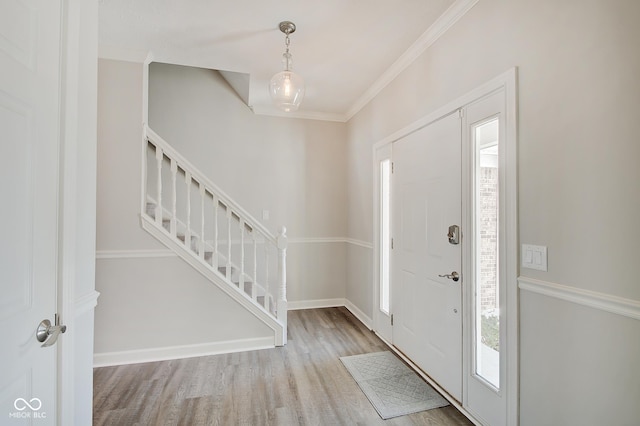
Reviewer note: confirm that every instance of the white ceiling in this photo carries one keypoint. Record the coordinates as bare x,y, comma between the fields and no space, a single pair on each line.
346,50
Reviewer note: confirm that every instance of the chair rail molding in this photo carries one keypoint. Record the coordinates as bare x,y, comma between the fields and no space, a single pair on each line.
601,301
134,254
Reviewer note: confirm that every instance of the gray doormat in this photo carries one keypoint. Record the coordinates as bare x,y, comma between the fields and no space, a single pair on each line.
392,387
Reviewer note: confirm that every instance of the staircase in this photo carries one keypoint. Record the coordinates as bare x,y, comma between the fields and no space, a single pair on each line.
208,230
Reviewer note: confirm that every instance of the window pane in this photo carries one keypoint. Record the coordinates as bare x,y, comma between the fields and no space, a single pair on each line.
385,237
487,320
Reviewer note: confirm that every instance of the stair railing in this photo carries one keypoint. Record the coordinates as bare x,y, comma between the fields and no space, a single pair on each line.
186,211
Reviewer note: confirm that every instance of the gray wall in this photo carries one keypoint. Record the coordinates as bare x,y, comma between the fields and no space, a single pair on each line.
579,99
578,187
293,168
145,302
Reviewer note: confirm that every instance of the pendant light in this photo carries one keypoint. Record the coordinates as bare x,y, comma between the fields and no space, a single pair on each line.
286,87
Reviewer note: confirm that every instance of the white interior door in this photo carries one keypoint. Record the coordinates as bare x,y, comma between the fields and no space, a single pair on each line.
426,202
29,134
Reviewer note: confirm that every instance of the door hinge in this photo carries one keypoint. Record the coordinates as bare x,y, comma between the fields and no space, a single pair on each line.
461,113
391,319
392,244
392,163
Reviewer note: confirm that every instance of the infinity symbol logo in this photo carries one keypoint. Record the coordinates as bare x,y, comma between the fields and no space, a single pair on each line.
21,404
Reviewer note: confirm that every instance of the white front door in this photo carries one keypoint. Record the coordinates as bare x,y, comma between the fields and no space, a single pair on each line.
427,300
29,142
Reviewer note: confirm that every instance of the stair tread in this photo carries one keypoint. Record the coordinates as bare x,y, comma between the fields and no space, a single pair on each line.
196,248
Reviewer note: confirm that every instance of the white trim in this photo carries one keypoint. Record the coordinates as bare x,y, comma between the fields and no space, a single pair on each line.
604,302
304,115
121,54
452,15
362,317
381,320
315,304
507,81
331,303
148,253
360,243
503,86
317,240
433,33
209,273
85,303
76,202
197,175
133,254
106,359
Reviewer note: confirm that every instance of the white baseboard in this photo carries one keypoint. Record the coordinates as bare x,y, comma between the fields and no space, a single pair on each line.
175,352
601,301
106,359
332,303
315,304
359,314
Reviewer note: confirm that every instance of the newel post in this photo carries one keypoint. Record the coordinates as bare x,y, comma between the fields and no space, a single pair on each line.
282,281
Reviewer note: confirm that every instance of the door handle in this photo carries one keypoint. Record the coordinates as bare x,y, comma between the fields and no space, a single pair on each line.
47,334
452,276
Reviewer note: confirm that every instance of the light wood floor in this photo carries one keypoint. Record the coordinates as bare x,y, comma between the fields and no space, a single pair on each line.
303,383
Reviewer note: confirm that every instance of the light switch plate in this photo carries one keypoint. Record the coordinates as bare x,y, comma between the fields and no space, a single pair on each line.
534,257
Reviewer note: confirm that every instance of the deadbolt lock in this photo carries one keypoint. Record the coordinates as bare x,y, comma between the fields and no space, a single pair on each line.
454,234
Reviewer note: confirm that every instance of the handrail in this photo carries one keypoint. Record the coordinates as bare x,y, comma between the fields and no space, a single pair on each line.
161,219
198,176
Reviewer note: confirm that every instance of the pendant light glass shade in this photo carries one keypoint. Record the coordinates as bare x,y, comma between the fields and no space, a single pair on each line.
286,87
287,90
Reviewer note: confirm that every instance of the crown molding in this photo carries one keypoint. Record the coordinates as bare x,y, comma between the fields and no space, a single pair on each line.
456,11
306,115
435,31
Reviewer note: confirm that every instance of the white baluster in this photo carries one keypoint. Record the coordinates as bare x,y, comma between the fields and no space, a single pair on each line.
187,232
254,288
174,195
158,212
202,197
214,256
241,278
267,292
228,271
281,305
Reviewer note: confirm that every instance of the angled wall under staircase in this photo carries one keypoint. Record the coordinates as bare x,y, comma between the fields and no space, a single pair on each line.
194,218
